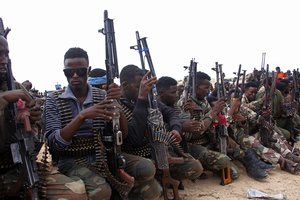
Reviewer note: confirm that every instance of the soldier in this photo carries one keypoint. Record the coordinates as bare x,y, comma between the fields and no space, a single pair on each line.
168,94
199,117
135,89
278,153
97,78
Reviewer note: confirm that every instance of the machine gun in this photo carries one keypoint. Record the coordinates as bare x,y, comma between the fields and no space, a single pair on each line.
159,137
221,127
23,153
112,135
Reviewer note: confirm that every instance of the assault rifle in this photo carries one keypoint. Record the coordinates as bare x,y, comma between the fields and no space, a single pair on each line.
263,74
190,84
188,93
159,138
243,81
237,91
266,136
293,108
221,128
112,135
23,153
295,92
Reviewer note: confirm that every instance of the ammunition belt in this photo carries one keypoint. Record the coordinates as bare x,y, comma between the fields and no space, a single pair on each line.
143,151
80,146
92,145
202,140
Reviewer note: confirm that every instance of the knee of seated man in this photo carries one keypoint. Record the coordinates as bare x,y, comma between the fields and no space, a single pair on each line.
145,170
222,161
194,169
103,191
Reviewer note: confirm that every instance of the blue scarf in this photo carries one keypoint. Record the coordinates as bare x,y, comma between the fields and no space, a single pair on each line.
97,80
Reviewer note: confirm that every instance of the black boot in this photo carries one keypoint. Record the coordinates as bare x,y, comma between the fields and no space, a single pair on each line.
250,162
260,163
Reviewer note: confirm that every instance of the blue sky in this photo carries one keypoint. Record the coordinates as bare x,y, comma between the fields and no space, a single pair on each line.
230,32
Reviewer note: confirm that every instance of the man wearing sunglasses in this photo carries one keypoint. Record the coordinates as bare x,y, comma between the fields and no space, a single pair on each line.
73,118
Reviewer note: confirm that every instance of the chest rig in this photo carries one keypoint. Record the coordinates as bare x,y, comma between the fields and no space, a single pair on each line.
82,146
145,149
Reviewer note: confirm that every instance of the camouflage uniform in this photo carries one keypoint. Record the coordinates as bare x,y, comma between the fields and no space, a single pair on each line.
198,144
272,154
10,175
277,110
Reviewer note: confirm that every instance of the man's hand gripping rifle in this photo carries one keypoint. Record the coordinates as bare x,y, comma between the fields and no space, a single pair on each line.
159,137
112,136
22,151
221,127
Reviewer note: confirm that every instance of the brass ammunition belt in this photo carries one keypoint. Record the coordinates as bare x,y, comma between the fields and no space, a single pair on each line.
80,146
202,141
143,151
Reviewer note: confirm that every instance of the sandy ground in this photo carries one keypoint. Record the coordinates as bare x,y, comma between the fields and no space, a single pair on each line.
277,182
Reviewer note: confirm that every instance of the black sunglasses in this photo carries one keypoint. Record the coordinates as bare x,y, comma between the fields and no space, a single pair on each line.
69,72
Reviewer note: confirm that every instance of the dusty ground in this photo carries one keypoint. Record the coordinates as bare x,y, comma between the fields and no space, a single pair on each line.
277,182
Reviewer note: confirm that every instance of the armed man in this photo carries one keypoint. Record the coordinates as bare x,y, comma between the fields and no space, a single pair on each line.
14,175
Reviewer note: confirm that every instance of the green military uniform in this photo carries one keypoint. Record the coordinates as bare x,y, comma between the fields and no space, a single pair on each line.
271,153
277,110
198,144
11,184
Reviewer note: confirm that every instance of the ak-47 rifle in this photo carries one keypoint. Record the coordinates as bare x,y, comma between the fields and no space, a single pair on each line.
263,74
243,80
189,92
190,85
267,120
159,137
23,153
292,108
295,92
112,135
221,128
237,91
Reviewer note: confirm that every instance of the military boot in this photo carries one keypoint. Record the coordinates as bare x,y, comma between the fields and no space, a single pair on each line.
250,162
261,164
289,166
293,157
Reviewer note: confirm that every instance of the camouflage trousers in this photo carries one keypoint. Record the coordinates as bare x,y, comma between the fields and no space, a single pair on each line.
212,160
78,180
57,186
187,168
143,170
272,155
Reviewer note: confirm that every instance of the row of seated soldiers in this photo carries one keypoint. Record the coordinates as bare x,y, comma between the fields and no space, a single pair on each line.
195,119
256,129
